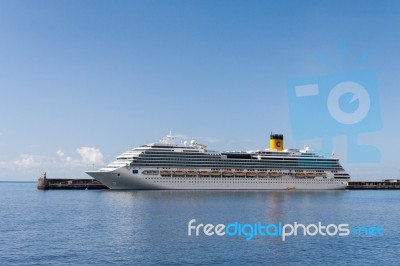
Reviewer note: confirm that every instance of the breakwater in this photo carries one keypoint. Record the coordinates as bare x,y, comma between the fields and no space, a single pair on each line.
69,183
385,184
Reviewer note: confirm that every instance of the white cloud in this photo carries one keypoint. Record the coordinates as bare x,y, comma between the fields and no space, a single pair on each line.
60,160
60,153
59,164
26,160
90,155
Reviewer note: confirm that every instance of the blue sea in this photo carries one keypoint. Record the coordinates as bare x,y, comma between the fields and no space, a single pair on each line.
104,227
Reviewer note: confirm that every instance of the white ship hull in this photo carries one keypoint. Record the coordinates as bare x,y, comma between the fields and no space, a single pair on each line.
123,178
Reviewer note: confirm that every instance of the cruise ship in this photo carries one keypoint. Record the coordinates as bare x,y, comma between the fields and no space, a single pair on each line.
189,165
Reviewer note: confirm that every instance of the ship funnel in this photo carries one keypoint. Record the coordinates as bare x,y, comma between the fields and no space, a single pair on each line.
276,142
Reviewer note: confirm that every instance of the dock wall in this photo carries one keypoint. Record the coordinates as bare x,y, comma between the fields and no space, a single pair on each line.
69,183
373,185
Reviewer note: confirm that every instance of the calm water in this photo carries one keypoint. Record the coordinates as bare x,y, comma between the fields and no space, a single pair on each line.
104,227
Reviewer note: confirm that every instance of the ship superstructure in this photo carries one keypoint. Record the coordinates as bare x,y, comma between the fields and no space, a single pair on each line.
166,165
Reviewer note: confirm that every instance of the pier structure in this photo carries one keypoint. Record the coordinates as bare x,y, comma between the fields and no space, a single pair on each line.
384,184
45,183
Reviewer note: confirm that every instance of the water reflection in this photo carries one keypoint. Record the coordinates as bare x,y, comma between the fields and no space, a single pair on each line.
145,216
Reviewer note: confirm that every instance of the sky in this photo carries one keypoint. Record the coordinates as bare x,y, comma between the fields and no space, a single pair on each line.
83,81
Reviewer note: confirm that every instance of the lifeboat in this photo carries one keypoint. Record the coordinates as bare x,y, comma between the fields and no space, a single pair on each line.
165,173
215,173
178,173
311,175
262,174
191,173
239,174
251,174
300,175
204,173
227,174
275,174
